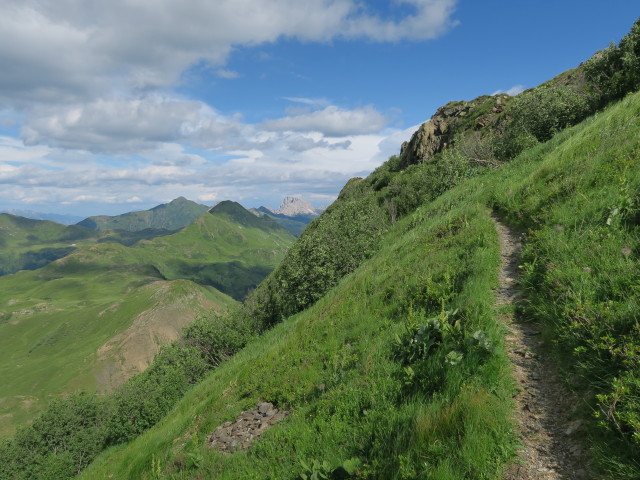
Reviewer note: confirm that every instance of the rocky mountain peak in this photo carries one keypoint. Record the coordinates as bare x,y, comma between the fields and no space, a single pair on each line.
292,206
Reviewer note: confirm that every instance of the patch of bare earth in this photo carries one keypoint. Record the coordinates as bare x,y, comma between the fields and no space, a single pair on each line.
132,350
549,447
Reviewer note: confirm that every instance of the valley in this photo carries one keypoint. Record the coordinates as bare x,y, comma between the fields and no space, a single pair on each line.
94,318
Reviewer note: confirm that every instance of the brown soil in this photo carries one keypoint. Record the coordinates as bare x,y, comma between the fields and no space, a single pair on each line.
549,447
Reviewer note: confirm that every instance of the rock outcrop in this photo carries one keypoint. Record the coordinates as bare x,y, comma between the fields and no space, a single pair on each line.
438,132
247,428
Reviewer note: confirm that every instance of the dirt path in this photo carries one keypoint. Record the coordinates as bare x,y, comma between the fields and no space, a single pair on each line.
549,449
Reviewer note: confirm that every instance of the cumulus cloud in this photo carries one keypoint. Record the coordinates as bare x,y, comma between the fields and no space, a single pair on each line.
66,50
268,173
208,197
331,121
299,143
90,83
121,125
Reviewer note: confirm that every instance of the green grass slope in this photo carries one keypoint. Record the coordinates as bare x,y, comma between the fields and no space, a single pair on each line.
27,244
399,371
169,216
358,392
85,326
94,318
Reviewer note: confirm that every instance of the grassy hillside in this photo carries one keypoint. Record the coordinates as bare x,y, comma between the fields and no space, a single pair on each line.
361,396
94,318
227,248
86,326
169,216
379,331
399,371
27,244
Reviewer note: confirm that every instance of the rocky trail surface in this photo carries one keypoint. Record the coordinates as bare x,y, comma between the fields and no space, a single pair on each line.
549,447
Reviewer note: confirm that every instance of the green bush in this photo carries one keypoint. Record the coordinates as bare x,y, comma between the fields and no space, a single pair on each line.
538,114
217,337
332,246
615,71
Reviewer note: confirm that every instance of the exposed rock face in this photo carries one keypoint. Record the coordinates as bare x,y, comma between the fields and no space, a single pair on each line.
292,206
435,134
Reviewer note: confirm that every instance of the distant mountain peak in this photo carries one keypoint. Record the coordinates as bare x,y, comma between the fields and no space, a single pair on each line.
292,206
174,215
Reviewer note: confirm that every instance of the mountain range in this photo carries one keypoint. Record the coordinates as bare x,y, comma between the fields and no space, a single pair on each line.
100,312
294,214
54,217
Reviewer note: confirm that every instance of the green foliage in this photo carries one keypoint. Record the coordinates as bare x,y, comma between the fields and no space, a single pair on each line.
332,246
538,114
218,337
59,443
407,190
615,72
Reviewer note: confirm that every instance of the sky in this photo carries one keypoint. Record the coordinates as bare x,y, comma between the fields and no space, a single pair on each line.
120,105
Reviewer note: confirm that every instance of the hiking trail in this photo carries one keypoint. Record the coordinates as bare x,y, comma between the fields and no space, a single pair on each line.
549,448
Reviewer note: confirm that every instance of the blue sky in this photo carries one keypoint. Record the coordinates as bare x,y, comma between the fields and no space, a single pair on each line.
107,107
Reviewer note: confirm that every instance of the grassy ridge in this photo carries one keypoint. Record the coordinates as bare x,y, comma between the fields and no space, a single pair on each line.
92,319
169,216
396,414
578,196
30,244
340,369
54,321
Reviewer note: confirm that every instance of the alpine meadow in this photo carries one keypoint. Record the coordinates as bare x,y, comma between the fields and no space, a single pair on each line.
468,310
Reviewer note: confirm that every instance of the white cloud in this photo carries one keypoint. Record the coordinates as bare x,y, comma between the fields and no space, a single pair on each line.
269,172
121,125
515,90
208,197
331,121
431,19
69,50
89,79
323,102
227,74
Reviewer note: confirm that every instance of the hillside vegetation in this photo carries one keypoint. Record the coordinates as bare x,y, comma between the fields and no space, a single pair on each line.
96,317
30,244
379,333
